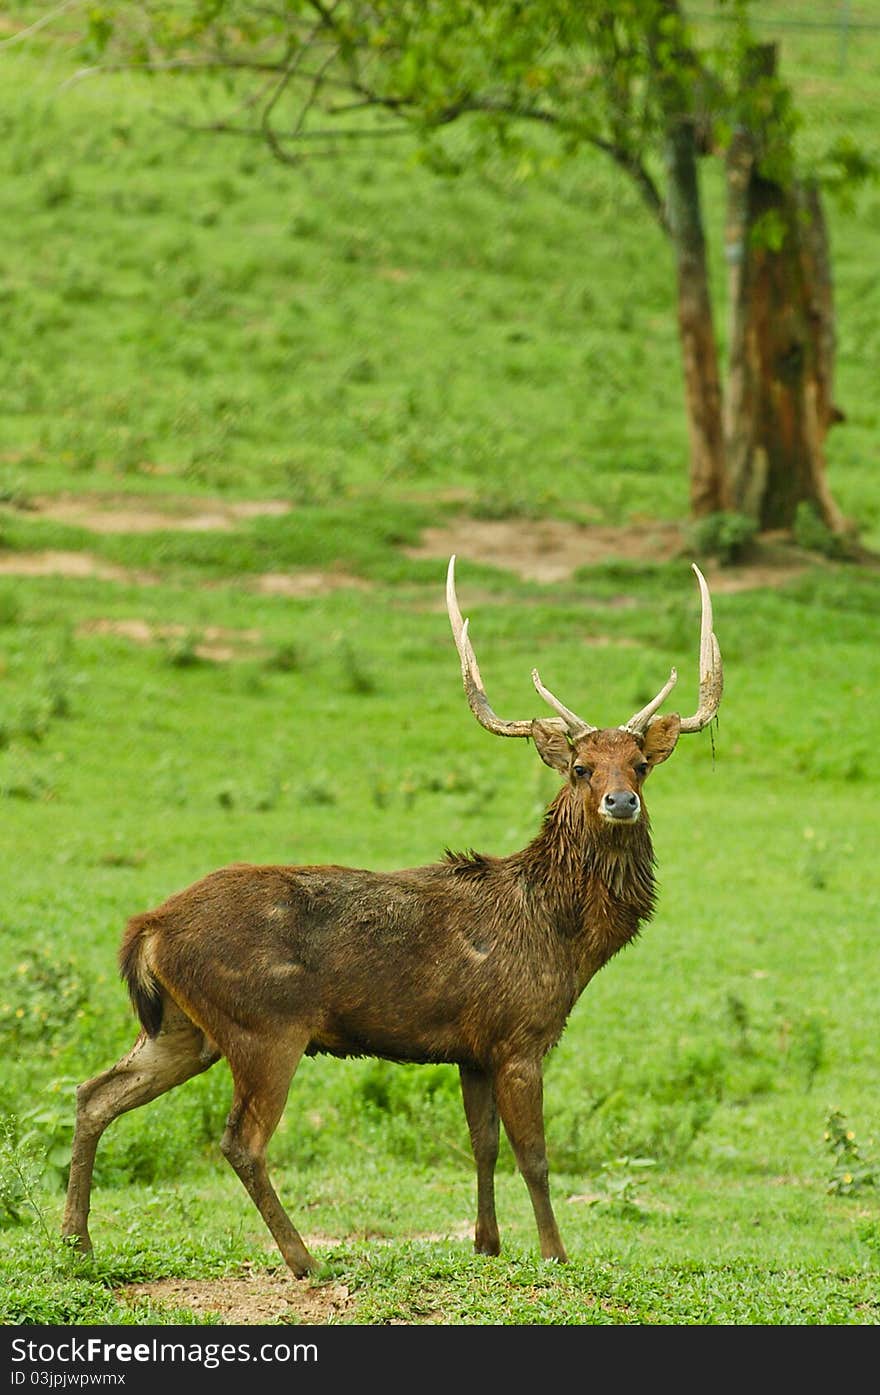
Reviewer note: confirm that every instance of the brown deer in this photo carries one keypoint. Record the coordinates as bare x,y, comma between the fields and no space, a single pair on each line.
475,960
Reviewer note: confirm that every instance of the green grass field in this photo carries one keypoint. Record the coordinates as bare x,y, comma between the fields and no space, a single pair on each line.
189,327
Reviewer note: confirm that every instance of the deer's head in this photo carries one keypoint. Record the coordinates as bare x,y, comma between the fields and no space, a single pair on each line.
605,767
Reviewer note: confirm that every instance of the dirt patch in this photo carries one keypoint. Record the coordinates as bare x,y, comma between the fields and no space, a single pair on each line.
544,550
552,550
213,643
83,565
252,1299
303,584
126,513
258,1296
549,549
72,564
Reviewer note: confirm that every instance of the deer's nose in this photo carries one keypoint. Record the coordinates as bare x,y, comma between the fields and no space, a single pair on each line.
621,804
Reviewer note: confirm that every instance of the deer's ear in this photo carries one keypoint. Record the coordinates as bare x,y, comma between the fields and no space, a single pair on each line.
661,738
552,746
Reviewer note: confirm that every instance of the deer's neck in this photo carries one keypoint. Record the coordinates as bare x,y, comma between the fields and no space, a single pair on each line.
596,881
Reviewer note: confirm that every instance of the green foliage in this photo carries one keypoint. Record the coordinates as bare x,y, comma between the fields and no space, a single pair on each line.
619,1183
357,676
807,1049
47,1130
20,1173
769,230
812,533
43,996
432,66
729,537
10,606
287,658
183,650
851,1173
845,167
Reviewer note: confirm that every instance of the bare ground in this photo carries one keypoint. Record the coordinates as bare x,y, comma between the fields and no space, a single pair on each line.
544,550
127,513
259,1296
548,549
215,644
254,1298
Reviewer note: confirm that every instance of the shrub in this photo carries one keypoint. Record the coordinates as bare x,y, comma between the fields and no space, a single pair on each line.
811,533
729,537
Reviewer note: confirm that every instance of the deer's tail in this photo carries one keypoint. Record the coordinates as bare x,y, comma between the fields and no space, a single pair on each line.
144,988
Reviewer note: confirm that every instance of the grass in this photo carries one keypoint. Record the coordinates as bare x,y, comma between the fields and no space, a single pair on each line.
386,351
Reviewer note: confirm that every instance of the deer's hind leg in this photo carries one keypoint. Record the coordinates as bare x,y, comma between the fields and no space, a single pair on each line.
262,1071
481,1111
153,1066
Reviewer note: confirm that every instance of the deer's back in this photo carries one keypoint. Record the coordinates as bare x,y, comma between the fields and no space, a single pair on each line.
424,964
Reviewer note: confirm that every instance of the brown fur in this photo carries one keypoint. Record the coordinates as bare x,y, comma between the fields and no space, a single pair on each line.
474,960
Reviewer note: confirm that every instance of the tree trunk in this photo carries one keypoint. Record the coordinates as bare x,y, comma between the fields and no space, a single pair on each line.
702,385
778,405
824,413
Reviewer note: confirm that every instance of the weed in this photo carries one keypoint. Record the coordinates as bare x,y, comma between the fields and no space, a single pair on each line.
498,504
227,796
381,791
182,651
319,790
807,1049
14,492
869,1235
357,676
47,1129
42,998
619,1181
121,857
20,779
738,1015
33,720
850,1173
20,1174
271,794
817,861
306,485
286,658
57,188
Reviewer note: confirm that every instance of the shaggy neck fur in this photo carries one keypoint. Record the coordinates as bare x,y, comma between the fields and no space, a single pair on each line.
596,878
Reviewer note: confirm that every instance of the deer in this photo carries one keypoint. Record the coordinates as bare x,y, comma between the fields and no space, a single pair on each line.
474,960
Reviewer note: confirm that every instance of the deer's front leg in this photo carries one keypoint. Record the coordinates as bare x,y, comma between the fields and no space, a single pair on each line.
519,1090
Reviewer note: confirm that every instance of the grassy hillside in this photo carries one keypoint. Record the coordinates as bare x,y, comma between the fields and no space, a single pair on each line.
183,305
377,352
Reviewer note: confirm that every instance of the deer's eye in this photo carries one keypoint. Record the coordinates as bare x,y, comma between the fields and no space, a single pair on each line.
642,768
583,772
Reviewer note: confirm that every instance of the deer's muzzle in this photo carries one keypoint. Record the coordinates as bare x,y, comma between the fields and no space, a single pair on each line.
620,806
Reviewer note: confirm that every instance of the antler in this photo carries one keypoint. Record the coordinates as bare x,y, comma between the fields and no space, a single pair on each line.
711,679
638,723
473,683
574,725
711,676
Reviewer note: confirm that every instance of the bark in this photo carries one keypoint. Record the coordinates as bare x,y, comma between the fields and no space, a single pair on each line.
742,454
778,406
702,386
824,413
